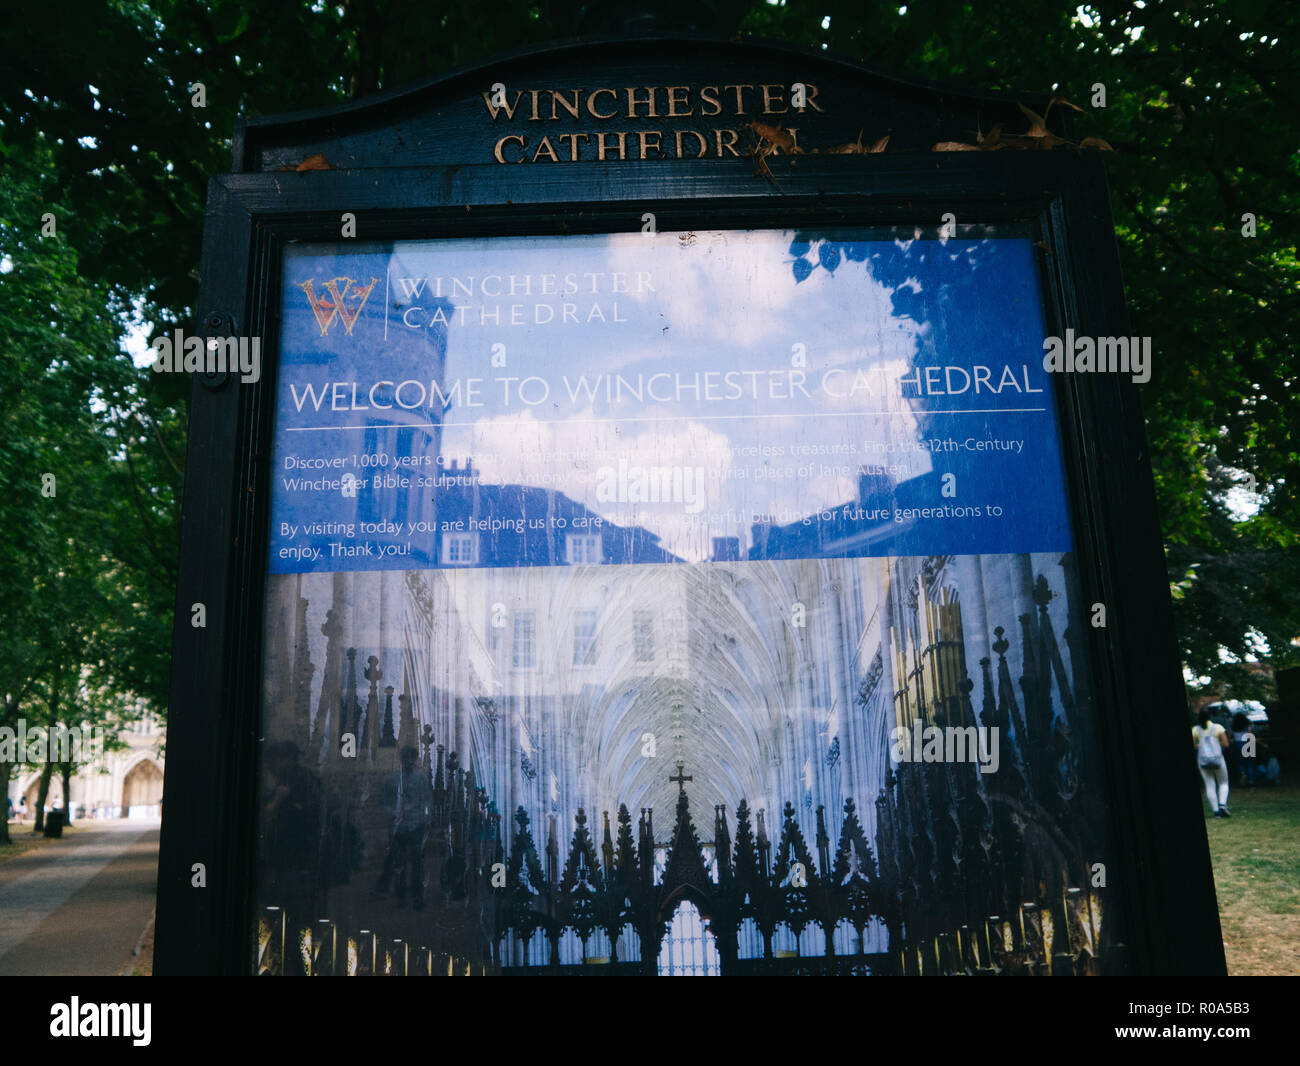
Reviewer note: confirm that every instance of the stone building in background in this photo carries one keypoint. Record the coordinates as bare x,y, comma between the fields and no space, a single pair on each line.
127,783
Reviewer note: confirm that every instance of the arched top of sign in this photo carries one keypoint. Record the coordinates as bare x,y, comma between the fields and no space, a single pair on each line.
621,100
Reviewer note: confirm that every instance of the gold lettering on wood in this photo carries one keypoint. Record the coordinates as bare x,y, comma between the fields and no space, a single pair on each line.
644,137
642,102
674,103
545,148
501,146
731,142
573,139
509,109
740,99
573,109
633,103
704,145
601,147
771,96
591,103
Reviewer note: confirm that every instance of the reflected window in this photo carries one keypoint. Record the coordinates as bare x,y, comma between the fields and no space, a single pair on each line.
643,636
582,549
689,949
524,655
460,549
584,638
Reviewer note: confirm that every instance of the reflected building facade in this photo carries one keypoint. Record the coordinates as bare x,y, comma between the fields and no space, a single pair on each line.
547,743
593,722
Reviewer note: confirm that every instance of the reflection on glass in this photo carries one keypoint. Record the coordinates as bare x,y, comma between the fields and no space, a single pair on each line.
760,537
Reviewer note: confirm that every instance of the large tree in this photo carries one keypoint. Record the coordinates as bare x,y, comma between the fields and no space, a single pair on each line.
60,364
1199,103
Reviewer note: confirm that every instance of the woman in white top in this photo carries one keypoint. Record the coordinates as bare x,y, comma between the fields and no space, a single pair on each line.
1211,740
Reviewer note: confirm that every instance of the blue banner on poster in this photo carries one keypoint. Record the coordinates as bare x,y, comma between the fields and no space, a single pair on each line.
665,398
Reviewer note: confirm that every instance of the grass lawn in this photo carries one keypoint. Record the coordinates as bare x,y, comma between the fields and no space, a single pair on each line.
1256,858
23,841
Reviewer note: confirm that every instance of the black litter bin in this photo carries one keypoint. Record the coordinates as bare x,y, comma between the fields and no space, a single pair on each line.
54,824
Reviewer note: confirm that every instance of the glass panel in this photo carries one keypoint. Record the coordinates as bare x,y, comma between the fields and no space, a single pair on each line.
643,623
724,551
584,637
524,649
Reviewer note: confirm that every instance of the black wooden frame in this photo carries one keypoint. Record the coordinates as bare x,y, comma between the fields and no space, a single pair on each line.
1158,836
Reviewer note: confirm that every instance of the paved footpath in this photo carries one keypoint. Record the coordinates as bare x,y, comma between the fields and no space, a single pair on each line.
78,906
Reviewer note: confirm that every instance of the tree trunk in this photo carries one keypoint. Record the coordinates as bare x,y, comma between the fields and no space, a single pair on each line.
6,769
48,771
67,791
41,796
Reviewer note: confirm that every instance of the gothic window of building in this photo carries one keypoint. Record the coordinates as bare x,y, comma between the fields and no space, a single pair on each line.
660,864
539,950
524,651
629,945
459,549
584,638
848,941
689,950
784,942
596,948
582,549
643,636
812,942
749,940
146,724
570,948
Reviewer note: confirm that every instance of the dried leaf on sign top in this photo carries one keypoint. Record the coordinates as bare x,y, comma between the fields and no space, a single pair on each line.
314,162
1037,123
1063,100
851,148
777,137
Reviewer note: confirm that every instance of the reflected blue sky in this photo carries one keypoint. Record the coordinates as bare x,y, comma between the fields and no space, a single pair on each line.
690,384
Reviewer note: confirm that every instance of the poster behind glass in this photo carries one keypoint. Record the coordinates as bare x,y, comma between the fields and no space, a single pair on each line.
685,603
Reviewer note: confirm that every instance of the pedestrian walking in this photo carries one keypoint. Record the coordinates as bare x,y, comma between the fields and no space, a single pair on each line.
407,801
1210,741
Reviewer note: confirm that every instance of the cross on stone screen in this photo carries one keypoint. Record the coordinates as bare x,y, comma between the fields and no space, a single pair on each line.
759,535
